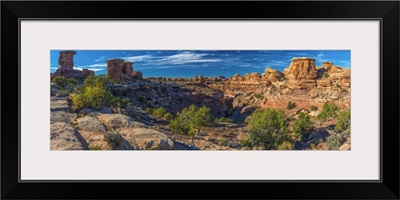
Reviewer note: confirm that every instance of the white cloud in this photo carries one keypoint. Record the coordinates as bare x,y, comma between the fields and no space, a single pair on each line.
100,59
95,65
187,57
93,69
137,58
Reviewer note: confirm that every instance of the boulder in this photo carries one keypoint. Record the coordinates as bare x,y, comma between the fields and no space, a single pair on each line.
147,139
90,124
66,137
119,121
62,116
345,147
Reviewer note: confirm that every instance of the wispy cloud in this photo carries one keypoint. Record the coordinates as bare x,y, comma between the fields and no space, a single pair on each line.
188,57
93,69
137,58
100,59
96,65
277,63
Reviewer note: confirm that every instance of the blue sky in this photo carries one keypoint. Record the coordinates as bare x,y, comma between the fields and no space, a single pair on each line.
190,63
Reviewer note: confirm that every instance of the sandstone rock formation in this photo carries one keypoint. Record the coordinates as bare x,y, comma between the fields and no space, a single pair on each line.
90,124
119,70
147,139
66,69
66,59
137,74
301,73
66,137
272,75
114,69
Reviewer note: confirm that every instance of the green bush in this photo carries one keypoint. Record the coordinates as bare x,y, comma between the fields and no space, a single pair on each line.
72,82
313,108
190,120
268,128
326,75
223,120
114,139
333,143
95,148
96,81
286,145
160,112
328,111
343,121
168,116
303,125
149,110
290,105
258,96
61,82
94,94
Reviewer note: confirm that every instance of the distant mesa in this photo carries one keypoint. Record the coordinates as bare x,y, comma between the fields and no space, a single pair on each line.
66,69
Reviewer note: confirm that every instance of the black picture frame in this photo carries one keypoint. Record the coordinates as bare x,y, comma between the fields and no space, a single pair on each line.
386,11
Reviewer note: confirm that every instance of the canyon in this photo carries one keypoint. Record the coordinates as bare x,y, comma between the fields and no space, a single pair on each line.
236,97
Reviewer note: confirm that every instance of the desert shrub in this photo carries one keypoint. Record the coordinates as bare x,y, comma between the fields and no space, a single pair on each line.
149,110
268,128
190,120
328,111
93,94
223,120
246,141
343,121
96,81
93,97
125,101
286,145
313,108
61,82
72,81
333,143
290,105
95,148
283,78
160,112
114,139
326,75
168,116
303,125
258,96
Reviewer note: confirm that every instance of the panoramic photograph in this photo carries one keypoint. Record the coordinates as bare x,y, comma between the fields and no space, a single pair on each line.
200,100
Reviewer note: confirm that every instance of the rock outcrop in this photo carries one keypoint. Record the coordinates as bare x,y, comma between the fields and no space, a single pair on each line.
147,139
114,69
66,69
137,74
66,137
301,73
272,75
119,70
